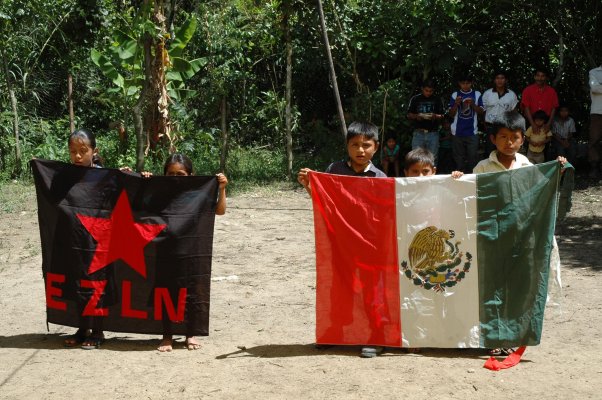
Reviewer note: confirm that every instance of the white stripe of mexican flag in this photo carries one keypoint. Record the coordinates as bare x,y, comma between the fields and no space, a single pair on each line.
428,213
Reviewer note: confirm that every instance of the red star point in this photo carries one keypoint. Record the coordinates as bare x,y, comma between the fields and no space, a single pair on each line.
120,237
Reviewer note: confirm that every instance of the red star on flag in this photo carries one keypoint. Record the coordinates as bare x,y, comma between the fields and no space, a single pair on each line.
119,237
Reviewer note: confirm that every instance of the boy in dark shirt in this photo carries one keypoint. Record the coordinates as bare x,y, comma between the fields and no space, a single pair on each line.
362,144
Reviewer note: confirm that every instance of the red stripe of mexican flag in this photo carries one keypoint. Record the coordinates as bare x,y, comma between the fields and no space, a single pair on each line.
433,262
356,257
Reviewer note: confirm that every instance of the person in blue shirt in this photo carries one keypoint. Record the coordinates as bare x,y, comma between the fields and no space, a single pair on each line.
465,106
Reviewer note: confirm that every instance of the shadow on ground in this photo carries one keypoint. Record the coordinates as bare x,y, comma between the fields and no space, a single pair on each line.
52,341
579,241
305,350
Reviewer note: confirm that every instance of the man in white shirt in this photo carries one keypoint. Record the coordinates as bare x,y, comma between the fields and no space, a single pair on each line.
497,101
595,124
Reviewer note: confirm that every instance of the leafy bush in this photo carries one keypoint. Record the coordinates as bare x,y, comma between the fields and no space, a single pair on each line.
256,165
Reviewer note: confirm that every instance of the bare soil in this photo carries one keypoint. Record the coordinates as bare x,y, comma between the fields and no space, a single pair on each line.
262,325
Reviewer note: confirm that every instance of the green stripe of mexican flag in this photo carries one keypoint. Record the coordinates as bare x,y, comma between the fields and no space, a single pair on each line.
446,263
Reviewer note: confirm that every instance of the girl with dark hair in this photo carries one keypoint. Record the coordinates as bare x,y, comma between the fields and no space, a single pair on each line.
83,152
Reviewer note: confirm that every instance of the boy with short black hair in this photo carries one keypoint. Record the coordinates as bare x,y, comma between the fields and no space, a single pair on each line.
419,162
508,138
362,144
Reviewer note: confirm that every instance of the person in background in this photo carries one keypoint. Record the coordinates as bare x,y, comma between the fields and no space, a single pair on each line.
426,111
446,155
563,131
595,123
537,136
497,101
465,105
539,96
391,156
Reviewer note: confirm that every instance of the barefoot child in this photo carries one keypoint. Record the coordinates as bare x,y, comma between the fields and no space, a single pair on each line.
180,165
83,152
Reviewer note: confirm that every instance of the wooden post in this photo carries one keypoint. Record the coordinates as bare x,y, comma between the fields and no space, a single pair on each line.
70,101
289,89
13,103
333,75
224,155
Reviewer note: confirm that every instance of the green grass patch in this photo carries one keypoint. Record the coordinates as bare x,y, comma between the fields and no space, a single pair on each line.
17,196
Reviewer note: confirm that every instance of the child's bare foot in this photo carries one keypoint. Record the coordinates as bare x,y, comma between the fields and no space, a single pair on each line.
166,344
77,338
192,344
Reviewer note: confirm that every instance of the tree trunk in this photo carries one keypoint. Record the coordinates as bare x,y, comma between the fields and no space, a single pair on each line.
560,69
70,103
224,153
139,110
13,104
289,80
158,106
333,76
139,131
382,128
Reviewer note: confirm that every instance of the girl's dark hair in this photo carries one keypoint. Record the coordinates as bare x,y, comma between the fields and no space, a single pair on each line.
84,134
177,158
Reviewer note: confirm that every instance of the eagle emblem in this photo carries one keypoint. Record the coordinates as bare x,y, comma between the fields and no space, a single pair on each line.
434,261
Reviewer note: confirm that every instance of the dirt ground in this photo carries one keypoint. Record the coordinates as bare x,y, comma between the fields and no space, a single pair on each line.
262,325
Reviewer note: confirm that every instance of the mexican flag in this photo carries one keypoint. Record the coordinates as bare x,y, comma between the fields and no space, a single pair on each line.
434,261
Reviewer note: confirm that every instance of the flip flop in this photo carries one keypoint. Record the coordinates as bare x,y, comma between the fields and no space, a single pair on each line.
76,339
502,351
93,342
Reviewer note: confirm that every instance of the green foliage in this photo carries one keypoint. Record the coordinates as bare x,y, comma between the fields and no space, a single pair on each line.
256,165
235,50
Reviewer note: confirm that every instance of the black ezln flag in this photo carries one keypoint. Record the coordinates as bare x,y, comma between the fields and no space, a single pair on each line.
132,252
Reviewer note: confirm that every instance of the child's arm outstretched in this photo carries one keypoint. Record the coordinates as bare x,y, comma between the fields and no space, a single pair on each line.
145,174
303,178
220,208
